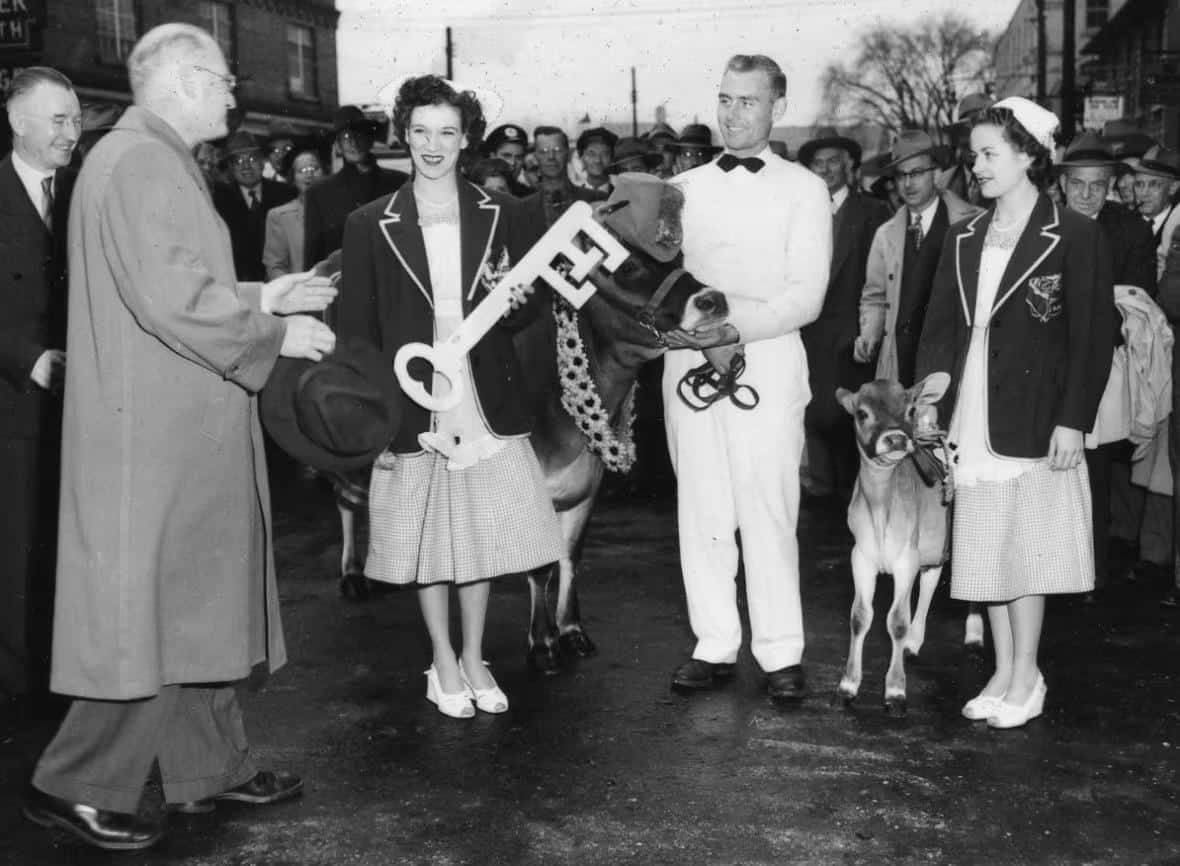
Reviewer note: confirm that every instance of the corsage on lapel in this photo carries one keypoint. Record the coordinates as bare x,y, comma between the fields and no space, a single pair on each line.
1044,297
492,272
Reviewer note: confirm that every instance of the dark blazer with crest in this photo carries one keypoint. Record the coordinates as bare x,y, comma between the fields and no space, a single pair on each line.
249,237
1051,331
828,340
386,297
33,292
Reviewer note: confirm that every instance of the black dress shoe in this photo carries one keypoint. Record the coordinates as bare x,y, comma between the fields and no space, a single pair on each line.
264,788
698,675
112,831
787,684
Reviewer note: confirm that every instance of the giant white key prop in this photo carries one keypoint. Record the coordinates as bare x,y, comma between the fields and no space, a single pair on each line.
448,356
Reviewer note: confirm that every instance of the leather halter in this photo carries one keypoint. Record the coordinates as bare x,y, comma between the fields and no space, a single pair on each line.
647,316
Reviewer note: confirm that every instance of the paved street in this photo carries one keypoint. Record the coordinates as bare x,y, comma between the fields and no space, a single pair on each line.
604,765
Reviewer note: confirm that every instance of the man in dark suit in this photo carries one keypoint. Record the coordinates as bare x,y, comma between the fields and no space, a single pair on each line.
244,201
1086,174
358,182
831,450
35,188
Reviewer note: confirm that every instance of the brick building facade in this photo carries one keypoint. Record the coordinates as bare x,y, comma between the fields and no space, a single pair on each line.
282,51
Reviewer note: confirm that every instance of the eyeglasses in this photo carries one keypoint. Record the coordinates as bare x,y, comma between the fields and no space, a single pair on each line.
309,169
916,174
243,159
230,81
549,151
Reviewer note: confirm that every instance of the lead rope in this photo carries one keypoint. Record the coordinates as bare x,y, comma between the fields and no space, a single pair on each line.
692,386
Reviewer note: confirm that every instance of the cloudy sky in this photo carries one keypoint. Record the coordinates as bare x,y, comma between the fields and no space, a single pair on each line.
556,60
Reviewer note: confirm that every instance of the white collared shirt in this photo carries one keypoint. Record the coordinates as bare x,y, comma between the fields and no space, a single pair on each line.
926,215
31,179
838,198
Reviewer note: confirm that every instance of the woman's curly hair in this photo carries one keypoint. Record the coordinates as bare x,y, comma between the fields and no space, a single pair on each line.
433,90
1040,172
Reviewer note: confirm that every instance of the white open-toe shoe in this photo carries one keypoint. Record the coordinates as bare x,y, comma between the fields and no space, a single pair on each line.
491,700
456,705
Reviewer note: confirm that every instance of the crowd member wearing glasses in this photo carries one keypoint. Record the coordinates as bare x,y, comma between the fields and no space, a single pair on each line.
283,251
903,258
359,181
243,203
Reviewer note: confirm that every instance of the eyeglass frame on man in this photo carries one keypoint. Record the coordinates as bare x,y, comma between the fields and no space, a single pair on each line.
229,80
902,176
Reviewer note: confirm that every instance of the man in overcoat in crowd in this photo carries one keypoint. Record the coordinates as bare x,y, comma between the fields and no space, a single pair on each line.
244,202
35,187
903,258
166,585
831,451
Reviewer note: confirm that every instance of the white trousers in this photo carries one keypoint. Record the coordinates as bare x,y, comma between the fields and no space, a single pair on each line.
738,471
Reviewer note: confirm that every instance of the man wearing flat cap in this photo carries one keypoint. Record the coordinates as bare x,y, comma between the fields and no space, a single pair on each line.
832,460
1086,173
903,258
244,201
596,148
359,181
510,143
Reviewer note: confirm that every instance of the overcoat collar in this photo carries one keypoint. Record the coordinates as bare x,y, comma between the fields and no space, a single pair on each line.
478,217
139,119
1039,238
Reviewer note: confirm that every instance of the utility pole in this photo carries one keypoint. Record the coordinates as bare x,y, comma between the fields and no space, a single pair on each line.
1042,50
450,57
1068,70
634,106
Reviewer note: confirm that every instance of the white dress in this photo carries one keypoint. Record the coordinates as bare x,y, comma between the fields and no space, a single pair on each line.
1020,528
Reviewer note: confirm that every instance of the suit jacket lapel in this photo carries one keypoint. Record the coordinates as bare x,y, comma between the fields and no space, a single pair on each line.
478,216
400,228
1038,239
842,224
14,198
968,250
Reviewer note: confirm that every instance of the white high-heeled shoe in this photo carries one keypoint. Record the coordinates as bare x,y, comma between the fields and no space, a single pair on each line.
456,705
491,700
981,707
1014,715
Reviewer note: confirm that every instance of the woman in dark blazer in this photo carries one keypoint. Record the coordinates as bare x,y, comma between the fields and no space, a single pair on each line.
1022,316
458,498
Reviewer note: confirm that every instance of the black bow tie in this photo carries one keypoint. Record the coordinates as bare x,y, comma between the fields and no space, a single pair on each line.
729,162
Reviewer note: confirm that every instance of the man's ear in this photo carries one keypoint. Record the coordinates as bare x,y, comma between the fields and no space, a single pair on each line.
17,122
779,108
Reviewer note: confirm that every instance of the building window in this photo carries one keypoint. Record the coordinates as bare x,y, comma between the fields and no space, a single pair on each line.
1097,13
117,29
217,17
301,66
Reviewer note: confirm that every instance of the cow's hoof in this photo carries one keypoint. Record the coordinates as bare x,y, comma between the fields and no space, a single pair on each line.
843,700
545,661
895,708
355,587
577,643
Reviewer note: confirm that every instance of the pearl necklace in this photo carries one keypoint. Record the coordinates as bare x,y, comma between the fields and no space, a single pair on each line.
580,398
438,213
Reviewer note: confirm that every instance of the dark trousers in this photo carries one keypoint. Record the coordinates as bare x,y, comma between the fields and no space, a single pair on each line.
1098,463
104,750
28,546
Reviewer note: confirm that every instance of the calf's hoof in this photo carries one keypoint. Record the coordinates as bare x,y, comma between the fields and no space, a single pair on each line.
354,587
577,643
544,660
895,708
843,700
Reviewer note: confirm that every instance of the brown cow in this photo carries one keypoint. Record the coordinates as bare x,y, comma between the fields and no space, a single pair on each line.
898,518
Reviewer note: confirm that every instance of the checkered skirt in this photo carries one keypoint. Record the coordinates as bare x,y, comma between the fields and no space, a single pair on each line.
428,524
1029,535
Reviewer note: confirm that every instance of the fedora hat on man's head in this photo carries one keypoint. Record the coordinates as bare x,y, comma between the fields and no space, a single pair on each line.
827,136
696,136
1161,162
349,117
242,142
911,143
1088,150
336,414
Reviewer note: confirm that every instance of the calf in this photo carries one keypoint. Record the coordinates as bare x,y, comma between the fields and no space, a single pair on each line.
898,519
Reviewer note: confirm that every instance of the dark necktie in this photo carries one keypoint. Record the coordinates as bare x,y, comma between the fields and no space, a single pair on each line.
47,201
729,162
915,230
255,203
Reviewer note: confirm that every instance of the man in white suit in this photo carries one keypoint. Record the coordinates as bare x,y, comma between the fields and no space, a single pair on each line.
759,229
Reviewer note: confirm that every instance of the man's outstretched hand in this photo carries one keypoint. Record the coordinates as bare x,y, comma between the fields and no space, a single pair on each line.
297,293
